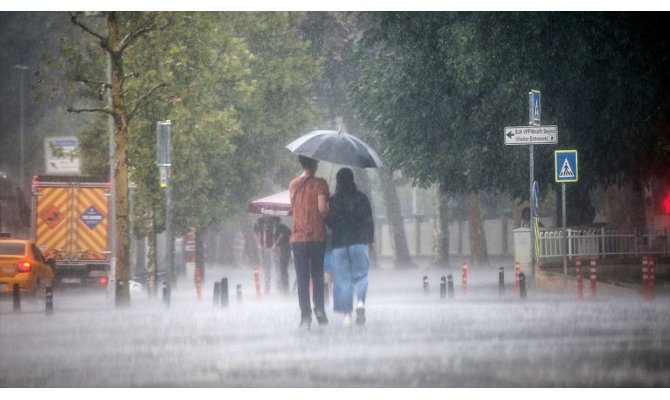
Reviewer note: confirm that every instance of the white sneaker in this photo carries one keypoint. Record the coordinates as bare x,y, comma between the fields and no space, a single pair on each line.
347,321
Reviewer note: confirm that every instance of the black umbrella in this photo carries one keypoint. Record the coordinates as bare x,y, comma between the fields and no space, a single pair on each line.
337,148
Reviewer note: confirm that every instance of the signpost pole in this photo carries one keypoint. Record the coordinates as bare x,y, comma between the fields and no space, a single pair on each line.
565,170
565,235
532,220
529,136
534,114
163,161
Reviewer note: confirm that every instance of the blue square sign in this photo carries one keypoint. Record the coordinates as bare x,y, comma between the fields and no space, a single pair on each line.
565,166
534,107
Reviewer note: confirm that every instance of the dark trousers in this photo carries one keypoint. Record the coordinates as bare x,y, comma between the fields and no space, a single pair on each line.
284,258
308,259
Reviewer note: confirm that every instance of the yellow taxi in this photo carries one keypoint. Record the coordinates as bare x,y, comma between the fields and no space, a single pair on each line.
22,262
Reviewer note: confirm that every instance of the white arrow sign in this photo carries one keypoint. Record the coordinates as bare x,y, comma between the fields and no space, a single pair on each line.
521,135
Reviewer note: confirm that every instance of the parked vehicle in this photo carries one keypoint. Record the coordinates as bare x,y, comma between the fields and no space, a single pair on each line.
22,263
70,216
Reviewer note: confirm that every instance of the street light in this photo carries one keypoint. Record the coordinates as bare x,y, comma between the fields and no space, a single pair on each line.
21,97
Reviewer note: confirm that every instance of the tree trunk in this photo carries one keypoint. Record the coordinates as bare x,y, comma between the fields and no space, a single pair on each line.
226,242
441,227
120,162
394,216
200,252
151,264
478,252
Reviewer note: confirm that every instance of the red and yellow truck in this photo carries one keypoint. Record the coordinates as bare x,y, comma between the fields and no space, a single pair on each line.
70,223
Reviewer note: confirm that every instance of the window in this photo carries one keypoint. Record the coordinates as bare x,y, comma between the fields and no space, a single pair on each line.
12,249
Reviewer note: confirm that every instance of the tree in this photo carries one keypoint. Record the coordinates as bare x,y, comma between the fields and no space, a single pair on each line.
439,88
237,85
122,31
332,36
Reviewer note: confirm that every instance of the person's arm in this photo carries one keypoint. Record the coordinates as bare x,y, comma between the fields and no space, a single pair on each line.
278,239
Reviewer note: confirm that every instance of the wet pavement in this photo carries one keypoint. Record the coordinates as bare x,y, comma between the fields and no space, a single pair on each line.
478,338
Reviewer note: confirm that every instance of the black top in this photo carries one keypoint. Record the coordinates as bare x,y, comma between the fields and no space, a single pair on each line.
284,244
350,218
264,227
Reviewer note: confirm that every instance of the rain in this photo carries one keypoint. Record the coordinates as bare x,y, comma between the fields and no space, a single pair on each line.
411,339
517,170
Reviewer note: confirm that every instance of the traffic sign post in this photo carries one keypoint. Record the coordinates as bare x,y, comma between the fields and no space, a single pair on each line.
163,162
565,170
534,113
531,135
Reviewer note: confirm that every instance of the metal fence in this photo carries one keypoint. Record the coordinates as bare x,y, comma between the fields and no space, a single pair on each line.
602,242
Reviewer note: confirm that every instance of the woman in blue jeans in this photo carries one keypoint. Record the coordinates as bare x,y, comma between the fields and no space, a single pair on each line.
352,225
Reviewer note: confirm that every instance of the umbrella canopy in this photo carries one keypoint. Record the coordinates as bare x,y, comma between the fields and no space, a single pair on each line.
278,204
337,148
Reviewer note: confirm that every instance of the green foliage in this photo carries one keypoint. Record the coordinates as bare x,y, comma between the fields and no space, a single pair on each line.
440,87
238,88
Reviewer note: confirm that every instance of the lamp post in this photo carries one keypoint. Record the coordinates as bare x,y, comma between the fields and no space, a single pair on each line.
21,68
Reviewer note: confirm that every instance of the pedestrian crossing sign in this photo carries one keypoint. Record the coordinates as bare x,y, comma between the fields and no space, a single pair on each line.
565,166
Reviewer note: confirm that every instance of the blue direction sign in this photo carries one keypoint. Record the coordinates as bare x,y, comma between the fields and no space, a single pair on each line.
534,107
565,166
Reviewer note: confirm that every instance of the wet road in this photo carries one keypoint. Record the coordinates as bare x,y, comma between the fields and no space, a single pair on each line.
478,339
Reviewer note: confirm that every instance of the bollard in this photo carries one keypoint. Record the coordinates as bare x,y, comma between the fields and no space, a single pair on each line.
517,271
522,285
166,298
593,277
217,293
198,280
119,289
501,281
443,287
49,297
426,289
239,293
580,278
652,278
645,278
464,281
16,297
257,281
224,292
450,286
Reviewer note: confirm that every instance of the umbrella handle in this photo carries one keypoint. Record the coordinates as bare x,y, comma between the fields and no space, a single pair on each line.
332,166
